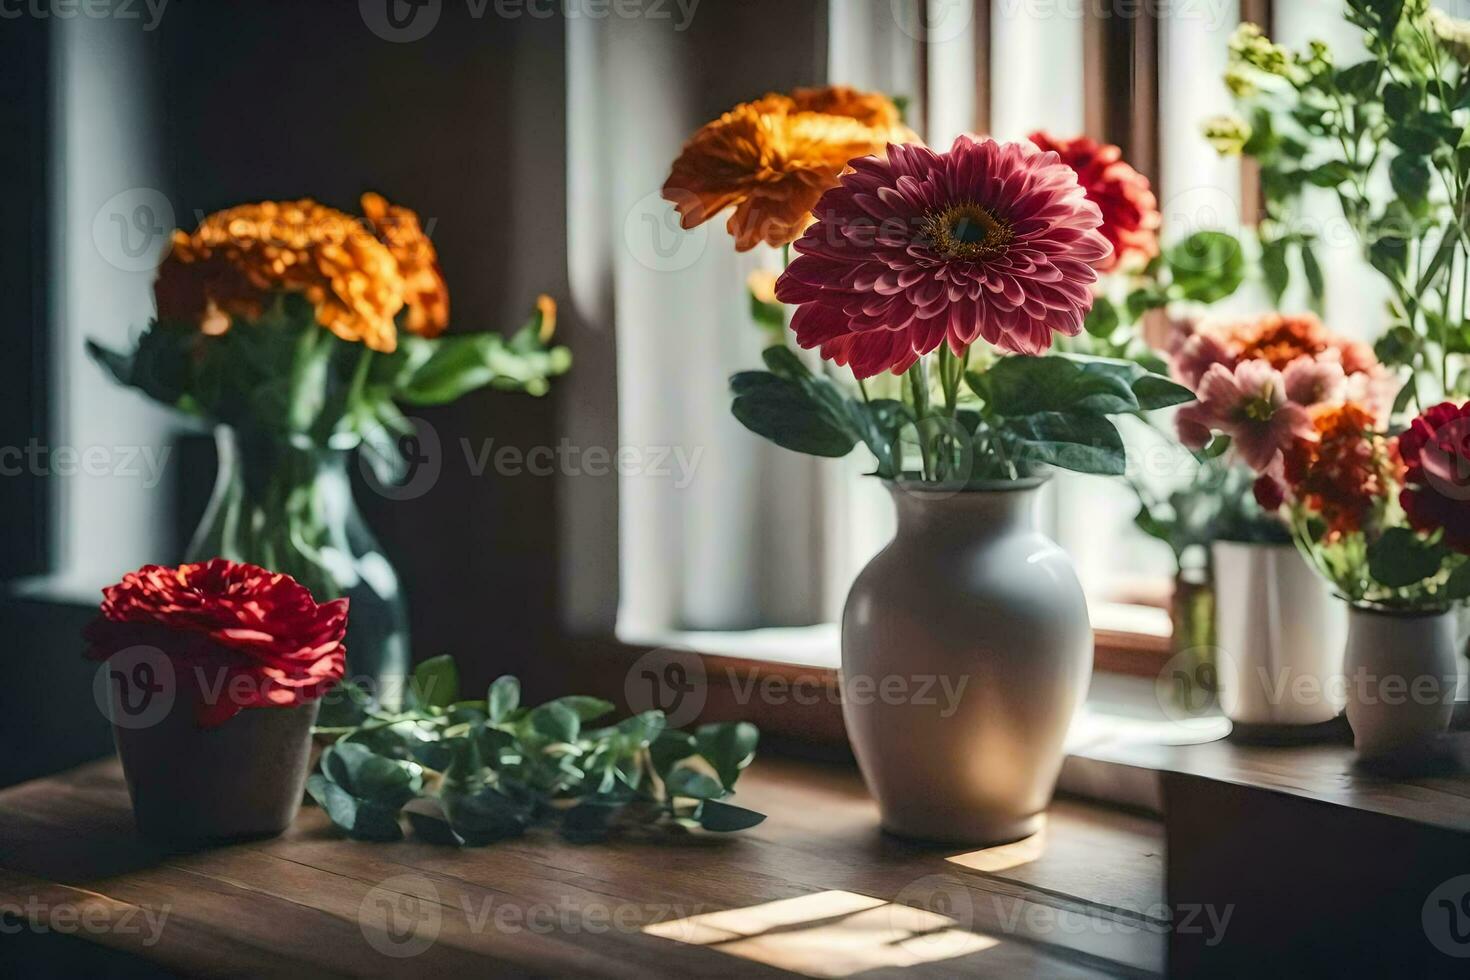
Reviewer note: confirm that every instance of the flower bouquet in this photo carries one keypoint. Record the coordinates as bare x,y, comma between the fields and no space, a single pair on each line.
212,675
1258,382
1383,518
298,330
938,280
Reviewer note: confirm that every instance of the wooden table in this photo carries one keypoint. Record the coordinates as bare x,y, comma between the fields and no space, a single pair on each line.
816,889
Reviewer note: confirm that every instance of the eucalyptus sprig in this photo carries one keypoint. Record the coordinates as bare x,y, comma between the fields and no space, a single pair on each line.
472,772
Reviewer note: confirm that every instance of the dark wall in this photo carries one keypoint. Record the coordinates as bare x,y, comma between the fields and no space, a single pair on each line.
466,126
24,264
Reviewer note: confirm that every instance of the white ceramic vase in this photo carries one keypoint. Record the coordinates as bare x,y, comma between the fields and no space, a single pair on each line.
1401,676
966,650
1280,633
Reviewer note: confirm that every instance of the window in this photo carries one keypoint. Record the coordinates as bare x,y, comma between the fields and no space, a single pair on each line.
753,554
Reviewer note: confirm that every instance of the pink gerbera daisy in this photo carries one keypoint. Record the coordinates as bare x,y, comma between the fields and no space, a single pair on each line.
992,240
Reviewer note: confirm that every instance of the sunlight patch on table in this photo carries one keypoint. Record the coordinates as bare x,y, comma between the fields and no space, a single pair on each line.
1003,857
828,934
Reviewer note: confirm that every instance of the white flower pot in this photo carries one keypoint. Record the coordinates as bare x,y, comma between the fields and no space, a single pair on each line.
1280,633
1401,677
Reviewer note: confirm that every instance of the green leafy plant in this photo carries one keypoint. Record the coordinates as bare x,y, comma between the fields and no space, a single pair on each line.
283,374
472,772
1005,418
1396,117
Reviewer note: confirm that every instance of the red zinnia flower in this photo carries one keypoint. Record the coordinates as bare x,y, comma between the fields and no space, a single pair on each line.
1130,212
1436,455
243,637
992,240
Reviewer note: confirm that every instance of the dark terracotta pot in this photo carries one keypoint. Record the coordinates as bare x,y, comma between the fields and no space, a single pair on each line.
243,779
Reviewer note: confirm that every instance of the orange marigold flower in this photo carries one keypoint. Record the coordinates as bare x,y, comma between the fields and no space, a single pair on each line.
1280,339
771,159
237,258
1347,472
425,294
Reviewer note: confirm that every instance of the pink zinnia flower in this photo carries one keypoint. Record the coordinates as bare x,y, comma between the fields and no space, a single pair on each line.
1251,406
992,240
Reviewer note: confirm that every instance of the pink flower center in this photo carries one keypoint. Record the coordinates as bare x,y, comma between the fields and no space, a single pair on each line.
967,232
1259,409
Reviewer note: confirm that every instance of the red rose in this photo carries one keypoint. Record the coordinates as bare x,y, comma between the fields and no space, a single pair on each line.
1436,455
239,636
1130,212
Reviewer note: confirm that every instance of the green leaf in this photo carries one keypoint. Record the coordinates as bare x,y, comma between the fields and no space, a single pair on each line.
728,747
1140,301
1102,319
430,823
1401,558
1360,80
1154,391
462,363
556,721
1151,390
669,747
436,682
880,424
785,412
1083,443
504,698
1409,175
586,709
485,816
1330,174
770,316
1019,385
643,728
1206,267
1312,269
1390,256
1457,586
344,706
1274,268
781,361
725,818
359,819
370,776
683,781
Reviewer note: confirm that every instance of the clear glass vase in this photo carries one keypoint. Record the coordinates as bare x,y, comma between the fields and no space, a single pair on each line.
288,506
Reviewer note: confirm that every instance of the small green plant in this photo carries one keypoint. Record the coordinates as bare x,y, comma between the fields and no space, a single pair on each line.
474,772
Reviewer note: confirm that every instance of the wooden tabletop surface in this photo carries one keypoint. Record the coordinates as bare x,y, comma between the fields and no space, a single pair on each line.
815,890
1430,789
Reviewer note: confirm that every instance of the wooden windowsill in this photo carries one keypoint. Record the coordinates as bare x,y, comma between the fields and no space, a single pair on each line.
796,705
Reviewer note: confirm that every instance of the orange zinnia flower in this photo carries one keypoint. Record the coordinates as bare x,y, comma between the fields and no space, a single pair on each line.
771,159
425,294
